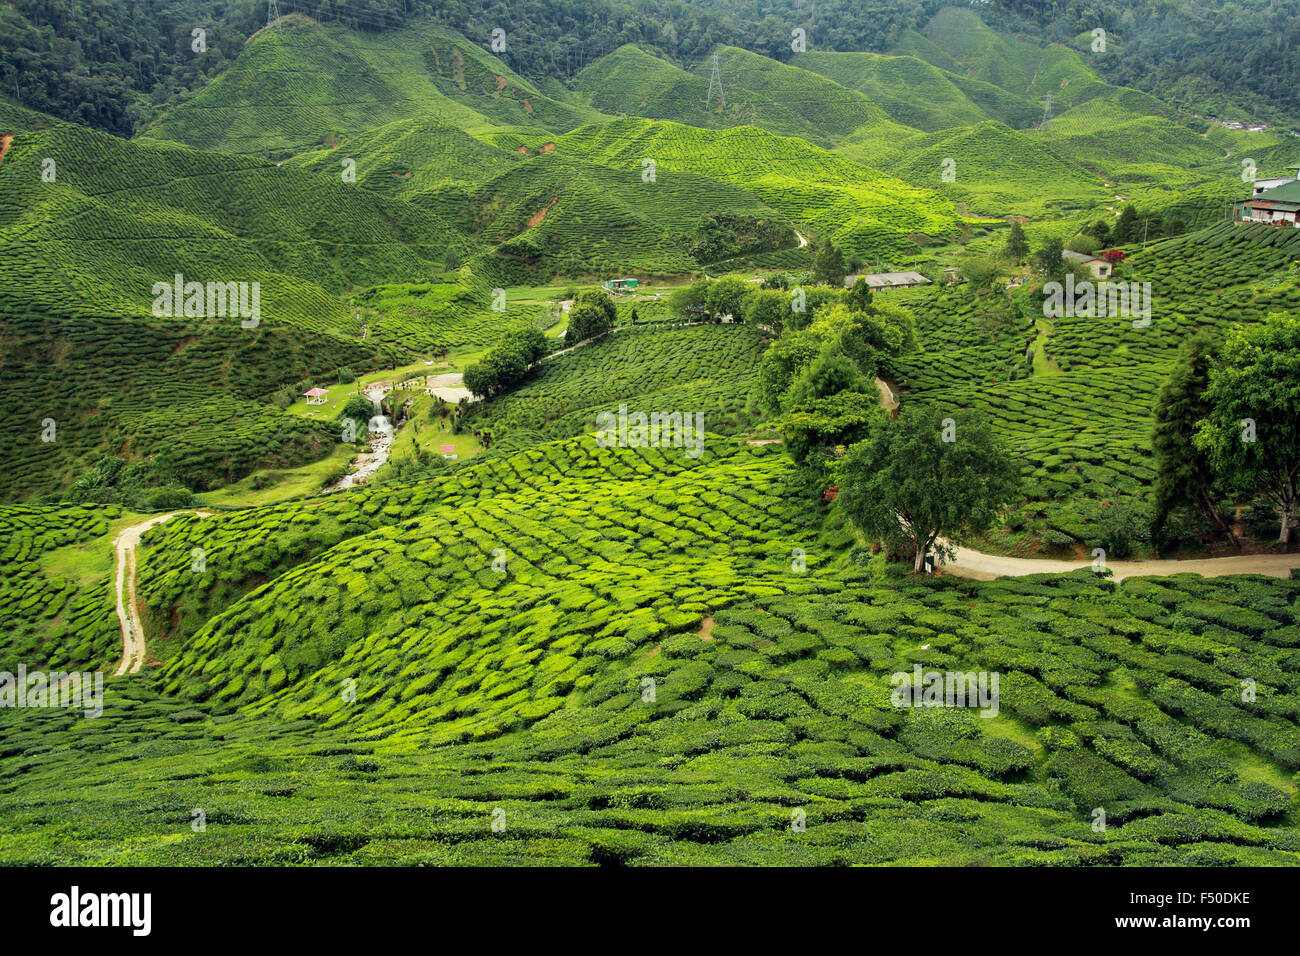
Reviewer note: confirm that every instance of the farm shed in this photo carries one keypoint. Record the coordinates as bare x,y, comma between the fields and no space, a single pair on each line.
1099,267
877,281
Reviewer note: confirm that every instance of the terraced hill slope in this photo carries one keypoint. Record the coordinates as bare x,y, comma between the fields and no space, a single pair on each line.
989,167
756,91
303,85
645,679
120,216
975,50
860,209
914,92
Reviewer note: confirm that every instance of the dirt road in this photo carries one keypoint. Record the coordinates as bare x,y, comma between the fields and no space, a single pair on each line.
888,400
985,567
128,614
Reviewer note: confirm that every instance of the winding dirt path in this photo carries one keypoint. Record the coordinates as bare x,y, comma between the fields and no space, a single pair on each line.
128,609
978,566
888,400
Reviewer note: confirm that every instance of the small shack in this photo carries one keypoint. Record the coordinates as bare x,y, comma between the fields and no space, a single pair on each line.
1279,206
1098,267
619,285
315,396
879,281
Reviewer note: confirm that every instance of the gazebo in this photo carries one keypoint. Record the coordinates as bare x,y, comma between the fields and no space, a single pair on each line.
316,396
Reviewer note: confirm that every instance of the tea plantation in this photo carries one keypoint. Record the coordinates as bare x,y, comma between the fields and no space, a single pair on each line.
387,589
648,680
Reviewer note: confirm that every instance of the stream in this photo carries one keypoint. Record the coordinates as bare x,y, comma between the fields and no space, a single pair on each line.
447,386
381,443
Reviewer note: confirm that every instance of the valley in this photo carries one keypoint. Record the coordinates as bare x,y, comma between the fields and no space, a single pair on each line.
369,582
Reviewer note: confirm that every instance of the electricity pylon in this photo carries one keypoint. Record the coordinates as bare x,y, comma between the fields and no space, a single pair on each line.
715,82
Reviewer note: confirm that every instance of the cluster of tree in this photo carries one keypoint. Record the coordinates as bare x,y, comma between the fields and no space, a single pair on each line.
592,313
1226,426
727,235
507,363
140,486
110,64
771,306
355,416
1130,226
818,375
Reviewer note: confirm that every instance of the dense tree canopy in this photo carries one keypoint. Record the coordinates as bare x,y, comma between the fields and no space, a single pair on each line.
925,476
1185,477
1252,431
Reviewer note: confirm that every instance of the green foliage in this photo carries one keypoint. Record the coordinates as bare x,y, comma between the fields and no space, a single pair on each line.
729,235
1185,477
1016,247
926,475
1251,432
829,268
505,366
592,314
1049,260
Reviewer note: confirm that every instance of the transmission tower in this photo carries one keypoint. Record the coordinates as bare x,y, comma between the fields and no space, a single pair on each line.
715,83
1047,110
273,13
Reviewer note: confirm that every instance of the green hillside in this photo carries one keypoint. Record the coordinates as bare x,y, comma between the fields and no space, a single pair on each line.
995,170
862,210
122,216
1123,134
632,82
303,85
409,157
770,692
911,91
554,214
979,52
756,91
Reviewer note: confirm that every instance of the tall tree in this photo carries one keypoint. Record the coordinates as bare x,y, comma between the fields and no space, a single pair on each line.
1127,227
1252,432
829,267
1017,246
925,477
592,313
858,298
1184,473
1050,258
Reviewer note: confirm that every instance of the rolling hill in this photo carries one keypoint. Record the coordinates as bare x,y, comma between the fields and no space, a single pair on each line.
303,85
866,212
756,91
